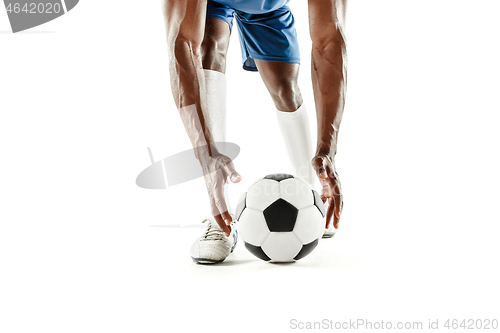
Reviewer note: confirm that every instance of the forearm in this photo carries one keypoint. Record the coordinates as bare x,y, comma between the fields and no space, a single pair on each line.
185,26
188,89
329,70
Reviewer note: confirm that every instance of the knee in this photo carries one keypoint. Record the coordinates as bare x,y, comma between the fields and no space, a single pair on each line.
286,96
213,52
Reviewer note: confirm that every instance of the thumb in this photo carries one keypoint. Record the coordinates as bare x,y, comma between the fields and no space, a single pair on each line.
320,166
231,172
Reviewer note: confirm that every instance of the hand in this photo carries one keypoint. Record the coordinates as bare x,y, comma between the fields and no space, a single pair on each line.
331,192
216,171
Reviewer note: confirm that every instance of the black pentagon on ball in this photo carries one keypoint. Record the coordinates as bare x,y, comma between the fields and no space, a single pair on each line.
257,251
319,203
306,249
278,176
281,216
241,206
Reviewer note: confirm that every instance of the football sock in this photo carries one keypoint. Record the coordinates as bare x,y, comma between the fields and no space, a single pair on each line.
215,83
297,135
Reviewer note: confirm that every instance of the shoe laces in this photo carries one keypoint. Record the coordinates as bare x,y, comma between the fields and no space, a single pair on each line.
213,233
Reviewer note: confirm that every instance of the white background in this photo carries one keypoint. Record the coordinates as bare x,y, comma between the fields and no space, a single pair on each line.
83,249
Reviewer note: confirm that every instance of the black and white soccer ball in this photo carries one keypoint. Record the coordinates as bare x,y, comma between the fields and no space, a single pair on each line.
280,218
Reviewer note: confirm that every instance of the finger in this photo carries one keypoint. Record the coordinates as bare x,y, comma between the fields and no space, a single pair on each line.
219,207
323,198
338,205
227,218
235,177
329,212
337,193
318,164
220,201
222,224
321,172
338,208
336,220
230,171
325,193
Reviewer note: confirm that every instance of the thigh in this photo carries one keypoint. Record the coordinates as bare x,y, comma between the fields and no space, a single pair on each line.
276,74
217,34
281,80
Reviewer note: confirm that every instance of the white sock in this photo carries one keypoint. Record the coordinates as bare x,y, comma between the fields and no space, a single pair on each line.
215,83
297,135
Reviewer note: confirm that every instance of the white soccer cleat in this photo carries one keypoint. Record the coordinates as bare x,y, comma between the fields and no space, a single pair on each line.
213,246
330,232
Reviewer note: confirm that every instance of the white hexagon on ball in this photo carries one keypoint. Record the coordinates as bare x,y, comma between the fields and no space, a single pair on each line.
281,246
309,224
252,226
262,194
297,192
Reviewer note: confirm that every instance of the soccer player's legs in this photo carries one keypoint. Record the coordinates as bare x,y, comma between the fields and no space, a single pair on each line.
213,246
269,44
218,28
280,79
214,50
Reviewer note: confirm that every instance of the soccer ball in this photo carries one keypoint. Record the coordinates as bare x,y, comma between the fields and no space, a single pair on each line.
280,218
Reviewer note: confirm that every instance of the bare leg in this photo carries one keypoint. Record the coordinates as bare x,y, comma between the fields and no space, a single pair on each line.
281,81
215,45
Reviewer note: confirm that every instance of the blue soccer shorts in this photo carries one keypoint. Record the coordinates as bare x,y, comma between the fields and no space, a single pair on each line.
269,36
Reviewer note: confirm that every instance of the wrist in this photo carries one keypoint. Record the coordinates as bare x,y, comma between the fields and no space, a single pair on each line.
329,152
206,152
327,144
198,132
